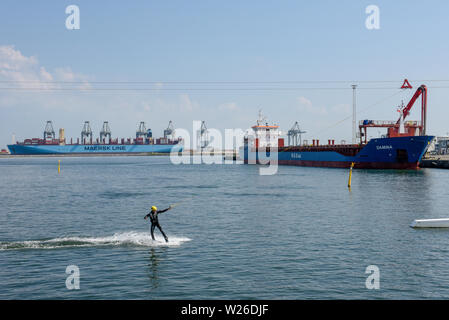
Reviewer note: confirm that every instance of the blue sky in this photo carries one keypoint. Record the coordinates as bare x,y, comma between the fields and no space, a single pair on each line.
224,41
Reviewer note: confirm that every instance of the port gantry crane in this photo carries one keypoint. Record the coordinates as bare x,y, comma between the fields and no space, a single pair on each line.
105,133
142,134
395,128
294,135
203,136
170,131
86,132
49,133
141,131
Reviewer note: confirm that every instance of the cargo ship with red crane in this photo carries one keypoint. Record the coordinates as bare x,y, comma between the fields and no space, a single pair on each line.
402,147
143,143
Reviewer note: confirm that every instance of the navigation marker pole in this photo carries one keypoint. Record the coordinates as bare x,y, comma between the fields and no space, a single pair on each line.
354,130
350,175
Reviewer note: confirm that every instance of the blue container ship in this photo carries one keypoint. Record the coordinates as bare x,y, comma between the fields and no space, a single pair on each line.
382,153
143,143
401,148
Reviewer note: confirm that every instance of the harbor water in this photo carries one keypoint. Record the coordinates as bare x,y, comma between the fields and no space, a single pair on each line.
298,234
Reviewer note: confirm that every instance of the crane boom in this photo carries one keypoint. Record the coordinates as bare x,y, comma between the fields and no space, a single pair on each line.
421,91
400,128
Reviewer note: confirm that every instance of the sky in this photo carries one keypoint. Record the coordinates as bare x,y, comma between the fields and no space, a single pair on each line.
218,61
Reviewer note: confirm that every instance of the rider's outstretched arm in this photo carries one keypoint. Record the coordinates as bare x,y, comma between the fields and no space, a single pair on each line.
160,211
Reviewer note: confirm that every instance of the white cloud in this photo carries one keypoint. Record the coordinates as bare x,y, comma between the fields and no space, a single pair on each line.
187,104
21,70
45,75
11,59
303,101
66,74
229,106
25,72
146,106
306,106
342,108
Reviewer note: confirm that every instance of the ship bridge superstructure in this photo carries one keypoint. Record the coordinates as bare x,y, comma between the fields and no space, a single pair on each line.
265,135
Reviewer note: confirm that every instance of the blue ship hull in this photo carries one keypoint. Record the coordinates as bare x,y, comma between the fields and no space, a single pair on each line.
382,153
20,149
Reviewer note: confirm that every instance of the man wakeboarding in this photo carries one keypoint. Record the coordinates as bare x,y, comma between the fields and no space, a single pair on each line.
153,215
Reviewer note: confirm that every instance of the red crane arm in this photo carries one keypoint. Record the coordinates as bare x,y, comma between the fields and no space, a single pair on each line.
422,90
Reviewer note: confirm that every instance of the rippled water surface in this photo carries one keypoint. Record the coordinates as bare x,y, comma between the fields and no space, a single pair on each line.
299,234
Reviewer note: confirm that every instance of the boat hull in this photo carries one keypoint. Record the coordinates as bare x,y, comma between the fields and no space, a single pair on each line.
430,223
340,164
20,149
381,153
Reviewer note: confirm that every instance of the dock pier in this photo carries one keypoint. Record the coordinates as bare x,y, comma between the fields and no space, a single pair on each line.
435,161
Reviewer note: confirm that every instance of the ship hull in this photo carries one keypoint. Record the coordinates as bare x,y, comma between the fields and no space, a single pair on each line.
382,153
20,149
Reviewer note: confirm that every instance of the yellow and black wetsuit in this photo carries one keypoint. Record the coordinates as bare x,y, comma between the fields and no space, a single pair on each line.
153,215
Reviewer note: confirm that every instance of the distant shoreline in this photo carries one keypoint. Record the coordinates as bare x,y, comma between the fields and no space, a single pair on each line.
80,155
140,154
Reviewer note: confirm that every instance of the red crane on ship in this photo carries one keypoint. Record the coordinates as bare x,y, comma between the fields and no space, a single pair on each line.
408,127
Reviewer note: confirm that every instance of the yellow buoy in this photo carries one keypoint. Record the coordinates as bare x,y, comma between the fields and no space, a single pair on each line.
59,166
350,175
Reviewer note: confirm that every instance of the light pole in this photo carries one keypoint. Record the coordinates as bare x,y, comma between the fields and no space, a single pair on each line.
354,130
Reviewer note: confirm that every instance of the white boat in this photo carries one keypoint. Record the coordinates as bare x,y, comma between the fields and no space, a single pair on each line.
430,223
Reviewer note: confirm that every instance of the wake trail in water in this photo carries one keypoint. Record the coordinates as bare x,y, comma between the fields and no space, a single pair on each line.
131,238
